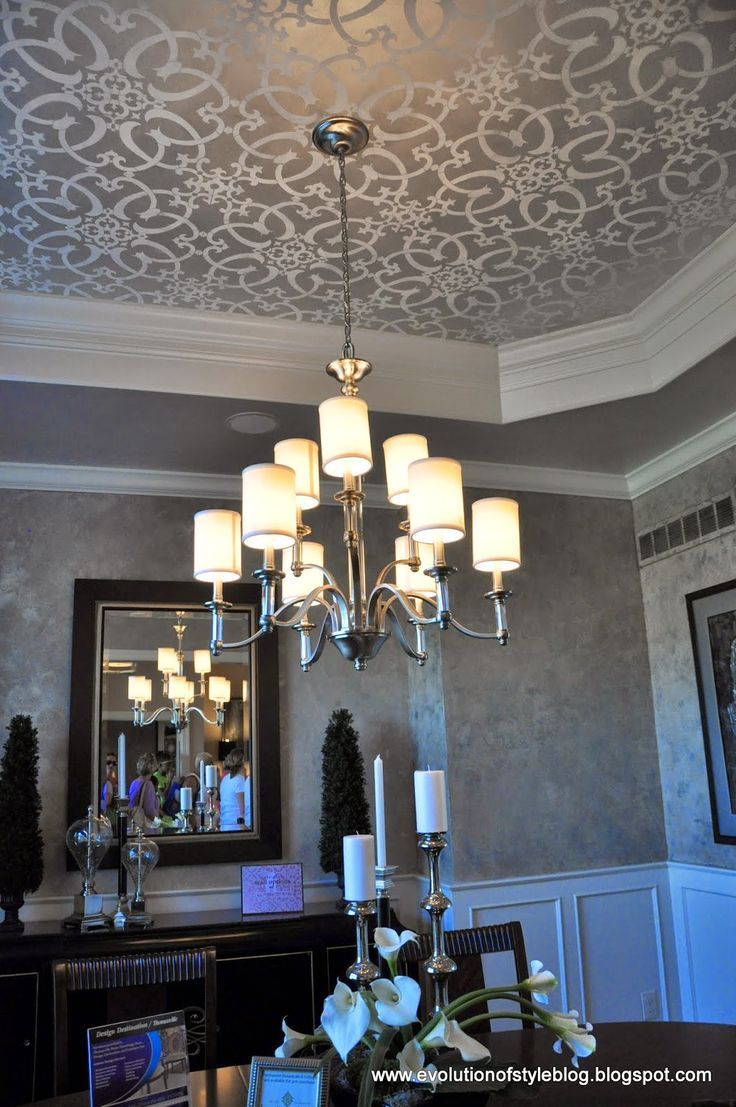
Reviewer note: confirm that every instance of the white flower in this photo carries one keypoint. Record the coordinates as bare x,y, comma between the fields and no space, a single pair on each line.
292,1042
345,1019
411,1059
578,1038
540,982
449,1034
397,1000
389,942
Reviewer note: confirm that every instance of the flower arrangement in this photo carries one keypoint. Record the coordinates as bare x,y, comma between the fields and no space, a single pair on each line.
381,1021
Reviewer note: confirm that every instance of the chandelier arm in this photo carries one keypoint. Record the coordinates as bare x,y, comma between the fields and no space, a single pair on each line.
417,655
331,580
317,595
390,590
198,711
154,715
501,634
245,641
381,578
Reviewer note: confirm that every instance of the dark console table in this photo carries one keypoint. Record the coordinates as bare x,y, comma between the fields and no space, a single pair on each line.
267,968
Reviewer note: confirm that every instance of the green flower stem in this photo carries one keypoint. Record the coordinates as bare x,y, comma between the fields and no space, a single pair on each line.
482,995
500,1015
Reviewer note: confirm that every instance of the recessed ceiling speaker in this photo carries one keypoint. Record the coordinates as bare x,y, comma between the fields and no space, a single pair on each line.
252,422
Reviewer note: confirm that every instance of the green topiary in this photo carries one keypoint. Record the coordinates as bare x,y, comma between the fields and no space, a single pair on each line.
344,804
21,844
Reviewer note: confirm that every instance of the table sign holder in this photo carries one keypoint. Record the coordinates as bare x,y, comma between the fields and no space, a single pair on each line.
384,884
362,971
439,966
142,1061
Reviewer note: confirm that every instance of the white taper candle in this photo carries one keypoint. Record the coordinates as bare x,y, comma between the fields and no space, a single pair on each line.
380,812
122,780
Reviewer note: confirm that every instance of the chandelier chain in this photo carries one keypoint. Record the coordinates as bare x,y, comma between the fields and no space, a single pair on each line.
348,349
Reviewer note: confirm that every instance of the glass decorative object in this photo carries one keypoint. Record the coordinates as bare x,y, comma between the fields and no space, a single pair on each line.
88,840
140,858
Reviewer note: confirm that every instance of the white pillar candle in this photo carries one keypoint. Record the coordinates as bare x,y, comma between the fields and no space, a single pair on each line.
380,812
202,780
122,782
359,860
210,776
185,799
430,800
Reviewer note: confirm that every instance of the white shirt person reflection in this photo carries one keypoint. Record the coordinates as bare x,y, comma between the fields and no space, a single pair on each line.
235,798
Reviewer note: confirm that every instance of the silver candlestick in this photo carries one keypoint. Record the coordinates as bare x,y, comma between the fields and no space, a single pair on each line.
439,966
384,884
122,911
200,816
211,814
187,828
362,970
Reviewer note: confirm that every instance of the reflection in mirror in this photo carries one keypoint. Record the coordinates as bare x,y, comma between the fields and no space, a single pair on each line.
176,726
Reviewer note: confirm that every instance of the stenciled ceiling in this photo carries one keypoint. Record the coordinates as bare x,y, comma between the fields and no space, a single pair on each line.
533,165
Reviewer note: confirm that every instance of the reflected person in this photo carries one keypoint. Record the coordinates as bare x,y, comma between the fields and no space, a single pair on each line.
235,803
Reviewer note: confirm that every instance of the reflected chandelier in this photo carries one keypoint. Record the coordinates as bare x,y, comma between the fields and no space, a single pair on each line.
276,494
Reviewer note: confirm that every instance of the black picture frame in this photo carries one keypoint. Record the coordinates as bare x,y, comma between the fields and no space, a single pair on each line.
711,611
193,849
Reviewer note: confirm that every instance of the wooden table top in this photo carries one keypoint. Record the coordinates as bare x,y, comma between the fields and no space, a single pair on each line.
664,1048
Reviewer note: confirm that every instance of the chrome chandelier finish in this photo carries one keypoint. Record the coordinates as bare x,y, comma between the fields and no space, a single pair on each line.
356,618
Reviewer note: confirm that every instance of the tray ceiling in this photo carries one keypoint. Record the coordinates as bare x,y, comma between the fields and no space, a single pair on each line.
547,167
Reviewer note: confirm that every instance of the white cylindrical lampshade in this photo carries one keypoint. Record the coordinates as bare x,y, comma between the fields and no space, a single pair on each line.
217,549
399,453
269,506
301,455
496,543
202,662
436,512
219,689
296,588
346,436
139,689
406,579
167,660
178,688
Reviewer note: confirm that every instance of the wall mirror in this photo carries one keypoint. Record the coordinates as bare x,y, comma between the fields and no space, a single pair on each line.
141,668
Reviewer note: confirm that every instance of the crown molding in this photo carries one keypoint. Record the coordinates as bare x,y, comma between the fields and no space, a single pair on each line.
693,451
102,344
687,318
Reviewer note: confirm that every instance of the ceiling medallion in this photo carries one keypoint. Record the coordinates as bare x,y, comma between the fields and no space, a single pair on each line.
276,494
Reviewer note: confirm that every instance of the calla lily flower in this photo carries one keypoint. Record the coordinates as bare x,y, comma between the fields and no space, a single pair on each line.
345,1019
448,1033
579,1038
540,982
411,1059
397,1000
292,1043
389,942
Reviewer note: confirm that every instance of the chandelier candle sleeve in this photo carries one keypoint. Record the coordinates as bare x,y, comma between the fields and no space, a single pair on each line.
122,780
301,455
496,543
430,799
217,546
436,509
269,506
346,438
399,452
359,867
380,812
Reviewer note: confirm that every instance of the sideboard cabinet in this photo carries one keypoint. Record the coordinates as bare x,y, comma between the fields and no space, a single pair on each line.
268,969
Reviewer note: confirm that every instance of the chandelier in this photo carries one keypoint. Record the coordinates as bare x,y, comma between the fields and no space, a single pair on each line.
178,689
412,591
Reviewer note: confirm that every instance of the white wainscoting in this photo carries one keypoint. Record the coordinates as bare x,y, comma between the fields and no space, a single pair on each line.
704,918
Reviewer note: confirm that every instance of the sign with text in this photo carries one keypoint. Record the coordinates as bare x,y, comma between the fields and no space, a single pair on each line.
142,1061
272,889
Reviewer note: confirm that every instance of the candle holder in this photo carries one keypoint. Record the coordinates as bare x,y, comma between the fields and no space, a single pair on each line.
122,911
439,966
362,971
211,813
384,884
187,828
200,816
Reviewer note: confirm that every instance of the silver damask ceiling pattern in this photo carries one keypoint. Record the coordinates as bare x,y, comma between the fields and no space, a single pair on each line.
533,164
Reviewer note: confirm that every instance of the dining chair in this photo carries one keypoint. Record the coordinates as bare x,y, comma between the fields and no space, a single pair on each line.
151,983
466,948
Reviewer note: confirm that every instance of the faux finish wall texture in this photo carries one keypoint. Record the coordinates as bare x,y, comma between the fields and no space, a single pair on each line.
549,743
665,584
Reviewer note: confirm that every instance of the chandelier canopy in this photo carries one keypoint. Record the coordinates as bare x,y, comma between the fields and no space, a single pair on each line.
278,493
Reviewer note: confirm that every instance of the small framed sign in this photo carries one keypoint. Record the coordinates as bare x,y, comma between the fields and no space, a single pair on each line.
271,889
298,1081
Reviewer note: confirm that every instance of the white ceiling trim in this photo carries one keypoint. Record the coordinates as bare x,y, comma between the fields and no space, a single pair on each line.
67,340
690,316
693,451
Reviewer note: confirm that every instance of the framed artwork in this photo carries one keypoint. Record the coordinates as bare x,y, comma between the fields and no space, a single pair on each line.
712,615
272,889
298,1081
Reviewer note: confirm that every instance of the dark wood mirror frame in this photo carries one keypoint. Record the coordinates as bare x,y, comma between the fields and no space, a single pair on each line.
197,849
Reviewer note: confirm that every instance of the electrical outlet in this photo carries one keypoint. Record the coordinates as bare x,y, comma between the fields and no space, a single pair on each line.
650,1006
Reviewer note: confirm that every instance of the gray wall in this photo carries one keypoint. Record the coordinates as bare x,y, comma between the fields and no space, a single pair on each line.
550,743
665,584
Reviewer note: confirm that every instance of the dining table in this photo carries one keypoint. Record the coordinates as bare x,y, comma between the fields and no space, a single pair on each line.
636,1064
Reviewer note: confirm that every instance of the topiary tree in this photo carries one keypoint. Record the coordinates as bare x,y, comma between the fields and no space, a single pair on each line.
344,805
21,844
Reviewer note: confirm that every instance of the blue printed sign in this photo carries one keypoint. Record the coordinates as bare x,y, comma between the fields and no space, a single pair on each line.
143,1061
